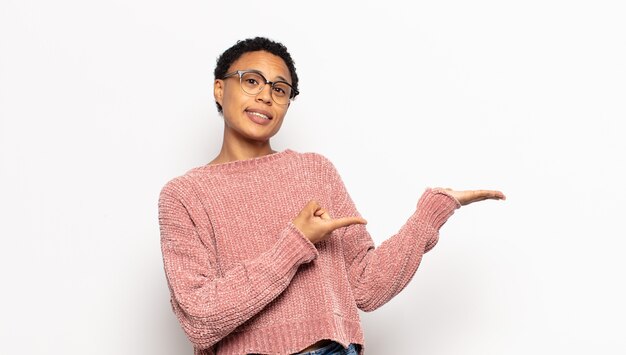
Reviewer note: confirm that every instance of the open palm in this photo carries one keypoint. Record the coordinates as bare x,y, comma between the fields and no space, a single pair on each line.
470,196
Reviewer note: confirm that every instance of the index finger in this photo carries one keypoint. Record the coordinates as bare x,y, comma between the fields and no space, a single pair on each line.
347,221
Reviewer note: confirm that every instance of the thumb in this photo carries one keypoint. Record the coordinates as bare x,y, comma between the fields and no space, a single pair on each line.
311,206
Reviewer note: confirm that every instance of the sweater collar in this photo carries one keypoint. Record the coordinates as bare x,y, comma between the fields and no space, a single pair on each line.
244,164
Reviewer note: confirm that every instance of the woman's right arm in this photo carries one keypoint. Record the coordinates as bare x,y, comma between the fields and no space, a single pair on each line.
210,304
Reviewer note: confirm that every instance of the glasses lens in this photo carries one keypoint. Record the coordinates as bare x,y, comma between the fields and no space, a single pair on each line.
281,92
252,83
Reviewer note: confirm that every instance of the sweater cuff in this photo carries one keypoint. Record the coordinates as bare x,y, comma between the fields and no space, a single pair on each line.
436,206
292,249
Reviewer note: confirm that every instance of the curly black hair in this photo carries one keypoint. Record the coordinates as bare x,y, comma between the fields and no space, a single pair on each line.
233,53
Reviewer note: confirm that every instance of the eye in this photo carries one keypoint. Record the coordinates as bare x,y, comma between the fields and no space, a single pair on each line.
252,81
281,89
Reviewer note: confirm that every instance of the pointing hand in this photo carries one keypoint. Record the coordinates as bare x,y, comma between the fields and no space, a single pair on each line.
316,223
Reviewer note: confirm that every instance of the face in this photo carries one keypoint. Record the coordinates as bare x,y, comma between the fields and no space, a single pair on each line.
252,117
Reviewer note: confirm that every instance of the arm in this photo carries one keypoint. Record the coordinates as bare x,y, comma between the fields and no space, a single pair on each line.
208,303
378,274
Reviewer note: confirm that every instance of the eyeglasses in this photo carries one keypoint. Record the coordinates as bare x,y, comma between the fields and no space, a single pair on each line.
252,83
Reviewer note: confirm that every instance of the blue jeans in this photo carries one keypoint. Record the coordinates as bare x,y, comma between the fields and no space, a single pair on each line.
334,348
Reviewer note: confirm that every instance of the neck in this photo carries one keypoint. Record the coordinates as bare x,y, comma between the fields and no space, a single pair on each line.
242,150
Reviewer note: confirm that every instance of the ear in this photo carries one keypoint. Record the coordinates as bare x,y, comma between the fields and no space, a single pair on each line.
218,91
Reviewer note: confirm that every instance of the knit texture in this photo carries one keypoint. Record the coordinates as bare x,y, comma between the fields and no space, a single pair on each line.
243,279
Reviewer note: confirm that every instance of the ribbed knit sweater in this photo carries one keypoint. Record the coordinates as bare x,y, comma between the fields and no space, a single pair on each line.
243,279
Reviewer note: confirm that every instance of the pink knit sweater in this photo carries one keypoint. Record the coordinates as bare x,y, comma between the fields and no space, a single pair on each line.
244,279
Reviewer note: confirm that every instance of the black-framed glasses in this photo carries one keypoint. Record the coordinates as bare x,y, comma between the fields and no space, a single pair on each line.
252,83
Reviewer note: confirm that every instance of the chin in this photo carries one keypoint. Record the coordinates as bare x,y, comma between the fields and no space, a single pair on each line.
262,138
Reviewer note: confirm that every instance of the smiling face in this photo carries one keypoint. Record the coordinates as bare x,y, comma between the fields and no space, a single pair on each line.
252,118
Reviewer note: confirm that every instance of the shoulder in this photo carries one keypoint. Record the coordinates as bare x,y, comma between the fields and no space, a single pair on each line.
319,165
316,159
182,185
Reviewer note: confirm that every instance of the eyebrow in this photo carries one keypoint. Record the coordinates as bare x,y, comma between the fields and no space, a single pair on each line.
280,78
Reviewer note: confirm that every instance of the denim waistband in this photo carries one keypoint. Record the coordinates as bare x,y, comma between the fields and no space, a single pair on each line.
333,348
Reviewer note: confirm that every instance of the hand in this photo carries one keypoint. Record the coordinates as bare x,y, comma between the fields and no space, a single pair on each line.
316,223
471,196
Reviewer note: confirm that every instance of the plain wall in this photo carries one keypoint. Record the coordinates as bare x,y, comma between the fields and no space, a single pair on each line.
102,102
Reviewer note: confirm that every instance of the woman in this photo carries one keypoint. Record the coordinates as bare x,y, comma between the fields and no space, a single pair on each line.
264,251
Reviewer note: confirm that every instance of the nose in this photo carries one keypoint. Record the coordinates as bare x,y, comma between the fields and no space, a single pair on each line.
265,95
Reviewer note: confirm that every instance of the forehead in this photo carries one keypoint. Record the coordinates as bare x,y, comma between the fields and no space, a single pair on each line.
270,65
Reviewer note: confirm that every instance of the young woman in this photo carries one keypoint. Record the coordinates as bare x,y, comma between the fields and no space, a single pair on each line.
264,250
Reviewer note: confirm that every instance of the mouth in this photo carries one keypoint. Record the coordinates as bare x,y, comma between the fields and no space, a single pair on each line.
260,114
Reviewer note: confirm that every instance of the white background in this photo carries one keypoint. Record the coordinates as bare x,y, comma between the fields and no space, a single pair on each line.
102,102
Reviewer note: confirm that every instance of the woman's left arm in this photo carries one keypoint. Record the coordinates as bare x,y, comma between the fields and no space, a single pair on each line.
377,274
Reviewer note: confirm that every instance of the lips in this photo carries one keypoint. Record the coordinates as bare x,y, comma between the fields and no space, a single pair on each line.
260,113
260,117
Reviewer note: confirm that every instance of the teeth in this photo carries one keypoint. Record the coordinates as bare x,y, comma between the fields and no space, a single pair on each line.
259,115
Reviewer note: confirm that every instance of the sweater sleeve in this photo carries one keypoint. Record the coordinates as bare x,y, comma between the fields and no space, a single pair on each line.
378,274
209,303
